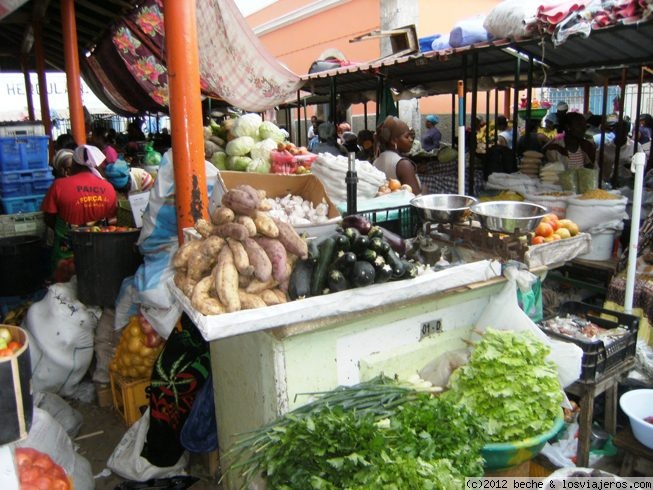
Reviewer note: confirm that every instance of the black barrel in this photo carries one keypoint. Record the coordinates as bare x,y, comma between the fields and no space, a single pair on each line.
21,265
102,261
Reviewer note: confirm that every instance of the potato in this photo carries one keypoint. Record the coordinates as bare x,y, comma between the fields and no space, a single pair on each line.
259,259
204,227
266,225
276,252
291,240
226,280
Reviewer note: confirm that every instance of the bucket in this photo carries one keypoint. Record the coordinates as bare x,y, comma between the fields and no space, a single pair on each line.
102,261
602,246
21,265
16,407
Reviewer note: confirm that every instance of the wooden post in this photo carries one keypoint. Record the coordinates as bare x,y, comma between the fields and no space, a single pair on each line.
71,56
185,113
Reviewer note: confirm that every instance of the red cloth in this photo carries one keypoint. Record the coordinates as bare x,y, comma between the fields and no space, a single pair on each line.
80,198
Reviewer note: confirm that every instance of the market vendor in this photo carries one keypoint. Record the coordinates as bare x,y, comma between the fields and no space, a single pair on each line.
126,179
574,150
394,141
432,136
82,198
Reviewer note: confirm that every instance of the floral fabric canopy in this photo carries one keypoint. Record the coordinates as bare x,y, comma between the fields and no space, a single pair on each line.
234,64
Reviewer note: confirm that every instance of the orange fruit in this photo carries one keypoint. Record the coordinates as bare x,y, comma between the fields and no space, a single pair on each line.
394,184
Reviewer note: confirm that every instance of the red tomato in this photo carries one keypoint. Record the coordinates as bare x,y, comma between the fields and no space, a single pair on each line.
14,346
6,352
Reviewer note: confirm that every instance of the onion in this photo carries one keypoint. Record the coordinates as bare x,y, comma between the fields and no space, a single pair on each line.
146,327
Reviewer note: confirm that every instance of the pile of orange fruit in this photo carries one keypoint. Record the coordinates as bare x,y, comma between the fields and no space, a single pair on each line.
551,228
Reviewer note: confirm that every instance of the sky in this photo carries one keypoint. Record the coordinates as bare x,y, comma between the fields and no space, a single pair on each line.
250,6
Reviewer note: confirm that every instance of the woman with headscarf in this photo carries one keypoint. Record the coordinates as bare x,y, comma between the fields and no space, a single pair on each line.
126,179
82,198
573,149
394,141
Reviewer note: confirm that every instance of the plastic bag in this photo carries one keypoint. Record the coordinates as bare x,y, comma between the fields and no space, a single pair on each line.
439,370
569,181
126,459
70,419
589,213
200,432
152,157
588,179
48,436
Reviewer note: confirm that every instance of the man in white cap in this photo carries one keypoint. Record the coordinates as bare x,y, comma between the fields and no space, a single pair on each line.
432,136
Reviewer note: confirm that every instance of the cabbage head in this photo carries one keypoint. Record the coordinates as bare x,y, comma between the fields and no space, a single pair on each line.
219,160
238,163
247,125
262,150
268,129
259,166
239,147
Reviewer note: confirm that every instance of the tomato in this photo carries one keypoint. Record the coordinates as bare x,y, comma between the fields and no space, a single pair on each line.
544,229
536,240
14,346
43,483
6,352
37,471
28,474
44,462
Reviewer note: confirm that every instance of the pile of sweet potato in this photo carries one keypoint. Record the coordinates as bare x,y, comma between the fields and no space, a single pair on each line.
243,260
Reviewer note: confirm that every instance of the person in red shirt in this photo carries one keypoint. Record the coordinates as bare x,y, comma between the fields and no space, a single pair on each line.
82,198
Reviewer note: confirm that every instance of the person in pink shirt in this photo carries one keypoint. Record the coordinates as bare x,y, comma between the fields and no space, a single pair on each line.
99,139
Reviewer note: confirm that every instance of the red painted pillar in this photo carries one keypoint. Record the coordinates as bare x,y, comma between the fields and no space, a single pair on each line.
71,55
185,113
28,88
40,71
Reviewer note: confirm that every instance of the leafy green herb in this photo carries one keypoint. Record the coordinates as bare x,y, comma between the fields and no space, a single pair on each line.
509,385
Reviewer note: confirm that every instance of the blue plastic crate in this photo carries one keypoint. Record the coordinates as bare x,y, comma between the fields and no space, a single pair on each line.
23,153
24,204
24,183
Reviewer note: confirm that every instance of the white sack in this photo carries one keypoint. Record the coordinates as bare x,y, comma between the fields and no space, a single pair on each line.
61,332
589,213
126,459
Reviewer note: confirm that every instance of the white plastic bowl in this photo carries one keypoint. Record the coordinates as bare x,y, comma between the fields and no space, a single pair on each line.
638,404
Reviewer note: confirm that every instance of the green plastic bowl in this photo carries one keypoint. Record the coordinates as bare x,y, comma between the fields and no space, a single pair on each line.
503,455
535,113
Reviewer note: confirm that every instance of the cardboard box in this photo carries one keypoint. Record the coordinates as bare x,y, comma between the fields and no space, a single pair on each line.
307,186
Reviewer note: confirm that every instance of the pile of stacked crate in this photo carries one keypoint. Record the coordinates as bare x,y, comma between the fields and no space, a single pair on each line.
24,172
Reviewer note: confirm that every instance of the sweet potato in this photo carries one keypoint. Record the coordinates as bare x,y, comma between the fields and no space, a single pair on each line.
248,223
205,228
232,230
259,259
202,300
244,281
250,301
240,201
269,297
254,194
255,286
180,259
223,215
266,225
277,255
184,283
241,259
212,245
226,280
199,265
291,239
283,298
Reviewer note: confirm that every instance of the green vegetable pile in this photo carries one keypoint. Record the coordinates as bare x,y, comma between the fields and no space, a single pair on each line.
509,385
377,434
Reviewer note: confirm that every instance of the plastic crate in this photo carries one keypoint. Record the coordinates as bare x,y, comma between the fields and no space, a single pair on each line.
23,153
22,224
24,183
129,397
19,128
402,220
24,204
597,357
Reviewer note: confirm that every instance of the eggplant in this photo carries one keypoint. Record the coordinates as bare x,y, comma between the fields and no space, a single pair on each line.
344,262
362,274
351,233
342,242
382,274
361,223
337,281
368,254
360,244
395,241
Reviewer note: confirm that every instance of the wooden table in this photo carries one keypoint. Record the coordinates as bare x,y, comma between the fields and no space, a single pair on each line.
587,391
633,449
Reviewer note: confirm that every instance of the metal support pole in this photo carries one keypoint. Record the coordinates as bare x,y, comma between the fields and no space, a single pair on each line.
617,149
299,120
474,128
586,99
638,109
71,56
515,108
604,108
191,192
